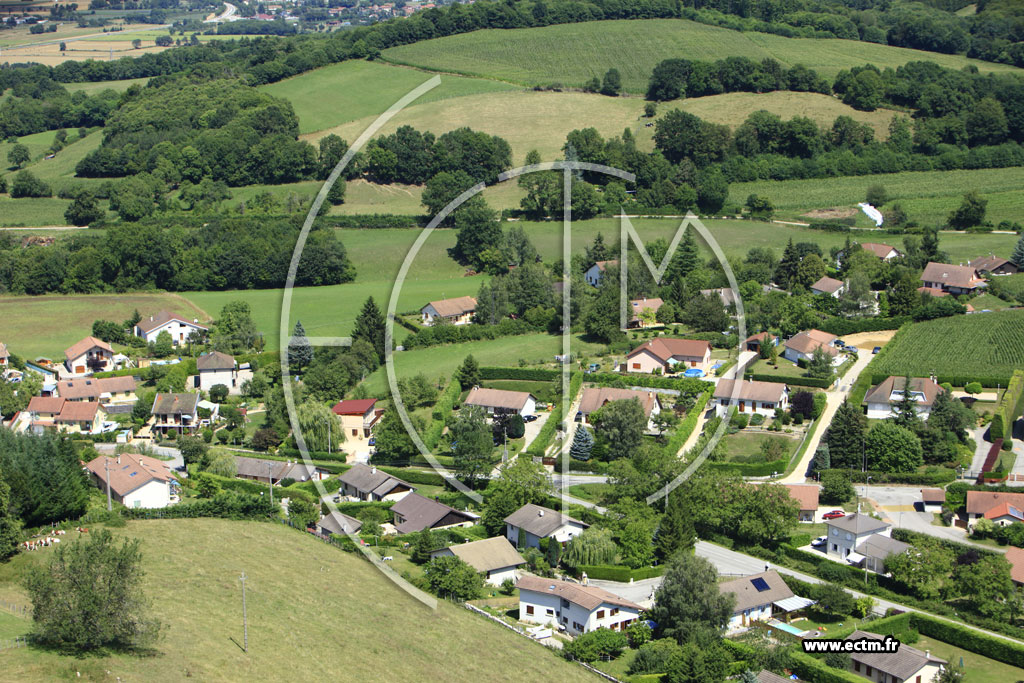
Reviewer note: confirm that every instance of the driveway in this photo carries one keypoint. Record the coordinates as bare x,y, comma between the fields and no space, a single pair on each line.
898,506
533,428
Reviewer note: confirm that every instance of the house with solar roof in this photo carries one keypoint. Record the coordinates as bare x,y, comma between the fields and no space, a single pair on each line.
761,597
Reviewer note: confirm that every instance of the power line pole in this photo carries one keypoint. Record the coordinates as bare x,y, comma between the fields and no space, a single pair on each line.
245,619
329,434
270,482
106,467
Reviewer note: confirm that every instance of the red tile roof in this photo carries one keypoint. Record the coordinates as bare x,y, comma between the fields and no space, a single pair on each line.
665,349
357,406
81,347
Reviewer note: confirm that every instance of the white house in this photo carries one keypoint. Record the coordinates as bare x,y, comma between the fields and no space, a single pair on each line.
366,482
758,598
828,286
951,279
594,398
495,558
574,607
415,513
903,665
596,272
877,550
884,398
846,533
5,356
217,368
882,251
750,397
500,401
803,345
175,411
88,356
639,308
536,522
136,481
458,311
178,327
669,355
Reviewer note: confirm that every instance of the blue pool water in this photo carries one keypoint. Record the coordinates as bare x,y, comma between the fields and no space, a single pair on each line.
782,626
694,372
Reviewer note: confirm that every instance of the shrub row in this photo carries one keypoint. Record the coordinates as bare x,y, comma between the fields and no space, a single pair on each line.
810,669
415,329
1010,407
795,381
443,408
528,374
913,537
685,385
931,476
686,427
999,649
595,466
621,574
989,382
547,432
374,221
458,334
843,326
229,504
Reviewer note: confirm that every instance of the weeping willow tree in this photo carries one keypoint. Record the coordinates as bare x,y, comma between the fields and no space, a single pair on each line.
320,428
593,546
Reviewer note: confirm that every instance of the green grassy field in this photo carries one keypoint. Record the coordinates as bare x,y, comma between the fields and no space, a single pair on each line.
983,344
351,90
343,608
36,326
441,361
526,119
100,86
744,446
977,668
573,53
927,196
989,302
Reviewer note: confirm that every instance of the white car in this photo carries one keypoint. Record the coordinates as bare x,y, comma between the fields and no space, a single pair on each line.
819,541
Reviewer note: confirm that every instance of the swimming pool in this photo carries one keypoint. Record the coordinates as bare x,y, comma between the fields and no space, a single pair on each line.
787,628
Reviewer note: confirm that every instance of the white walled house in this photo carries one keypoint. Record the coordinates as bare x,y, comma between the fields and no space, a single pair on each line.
458,311
366,482
88,356
828,286
803,345
573,607
596,272
595,398
538,522
751,397
882,251
495,558
905,665
669,355
136,481
952,279
217,368
500,401
883,399
846,533
758,598
178,327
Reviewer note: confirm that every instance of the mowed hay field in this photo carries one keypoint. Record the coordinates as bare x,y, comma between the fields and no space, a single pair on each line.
36,326
314,612
527,120
981,345
927,196
355,89
573,53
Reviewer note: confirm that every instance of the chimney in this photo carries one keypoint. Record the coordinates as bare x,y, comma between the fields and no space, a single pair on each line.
373,470
150,318
118,458
540,513
928,654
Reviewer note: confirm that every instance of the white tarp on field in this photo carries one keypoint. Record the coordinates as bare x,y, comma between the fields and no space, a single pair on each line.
872,213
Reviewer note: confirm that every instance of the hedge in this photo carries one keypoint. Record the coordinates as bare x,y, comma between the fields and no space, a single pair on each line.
529,374
1010,407
843,326
443,407
414,476
685,385
1006,651
376,221
685,428
457,334
989,382
914,537
547,432
795,381
810,669
295,454
253,487
595,466
620,574
229,505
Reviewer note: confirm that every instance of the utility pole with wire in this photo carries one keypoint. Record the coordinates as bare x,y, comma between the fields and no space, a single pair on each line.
106,467
270,482
245,619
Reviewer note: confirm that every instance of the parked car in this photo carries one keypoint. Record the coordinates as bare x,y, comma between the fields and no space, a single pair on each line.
372,441
853,349
876,349
529,418
834,514
579,417
819,541
840,343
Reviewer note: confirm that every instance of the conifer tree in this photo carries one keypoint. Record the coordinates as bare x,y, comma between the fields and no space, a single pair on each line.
582,444
845,437
1018,253
370,327
300,353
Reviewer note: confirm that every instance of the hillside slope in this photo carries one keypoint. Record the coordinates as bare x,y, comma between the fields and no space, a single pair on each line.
315,613
573,53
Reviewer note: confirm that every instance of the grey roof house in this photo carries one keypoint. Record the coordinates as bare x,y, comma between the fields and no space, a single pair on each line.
907,664
366,482
536,522
415,513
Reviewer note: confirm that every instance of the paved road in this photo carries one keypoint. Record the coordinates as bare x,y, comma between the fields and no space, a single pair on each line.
897,505
835,398
981,448
559,481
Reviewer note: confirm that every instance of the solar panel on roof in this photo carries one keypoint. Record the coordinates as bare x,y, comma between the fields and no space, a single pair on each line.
760,584
1014,511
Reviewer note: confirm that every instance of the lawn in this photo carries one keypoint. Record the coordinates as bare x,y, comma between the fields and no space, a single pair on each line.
979,669
594,493
995,342
526,119
927,196
99,86
441,361
339,93
745,446
573,53
344,606
46,325
785,368
988,302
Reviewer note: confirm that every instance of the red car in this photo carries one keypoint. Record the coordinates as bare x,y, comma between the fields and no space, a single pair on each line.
835,514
